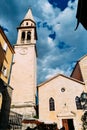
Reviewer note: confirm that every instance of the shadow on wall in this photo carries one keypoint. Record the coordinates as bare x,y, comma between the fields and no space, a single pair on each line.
6,92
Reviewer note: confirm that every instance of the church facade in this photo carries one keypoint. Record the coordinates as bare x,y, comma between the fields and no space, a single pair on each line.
62,98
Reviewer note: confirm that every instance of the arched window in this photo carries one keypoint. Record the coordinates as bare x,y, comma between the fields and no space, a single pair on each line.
51,104
29,35
23,36
78,103
26,23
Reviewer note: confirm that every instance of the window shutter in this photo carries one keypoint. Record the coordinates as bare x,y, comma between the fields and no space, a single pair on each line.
5,46
5,71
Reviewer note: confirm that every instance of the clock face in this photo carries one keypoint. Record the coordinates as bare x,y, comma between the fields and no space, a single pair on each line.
23,51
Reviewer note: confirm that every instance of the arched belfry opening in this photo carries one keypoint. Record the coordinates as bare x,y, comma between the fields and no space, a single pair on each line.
28,35
23,36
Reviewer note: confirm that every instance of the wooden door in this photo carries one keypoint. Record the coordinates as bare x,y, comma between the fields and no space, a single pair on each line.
65,124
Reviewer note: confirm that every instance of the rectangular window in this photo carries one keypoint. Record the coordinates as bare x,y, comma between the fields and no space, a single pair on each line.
0,66
5,47
5,71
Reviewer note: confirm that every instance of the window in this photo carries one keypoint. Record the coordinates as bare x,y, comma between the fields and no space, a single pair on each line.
4,71
62,89
78,103
0,101
26,23
5,47
0,66
29,35
31,24
23,36
51,104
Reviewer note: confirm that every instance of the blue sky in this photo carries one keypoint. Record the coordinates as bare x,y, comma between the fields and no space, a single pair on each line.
59,46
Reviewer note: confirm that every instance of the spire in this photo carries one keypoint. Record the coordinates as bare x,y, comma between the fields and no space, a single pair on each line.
29,15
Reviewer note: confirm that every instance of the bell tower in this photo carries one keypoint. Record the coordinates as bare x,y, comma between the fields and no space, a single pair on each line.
27,30
23,75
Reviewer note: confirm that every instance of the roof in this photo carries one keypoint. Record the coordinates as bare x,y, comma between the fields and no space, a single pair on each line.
70,78
6,39
82,58
31,121
29,15
36,121
78,63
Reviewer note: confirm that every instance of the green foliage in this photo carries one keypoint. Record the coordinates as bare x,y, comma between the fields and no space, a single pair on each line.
83,97
36,117
47,126
84,120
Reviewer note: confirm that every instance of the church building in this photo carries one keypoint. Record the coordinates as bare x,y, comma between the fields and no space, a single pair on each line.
59,97
23,75
62,97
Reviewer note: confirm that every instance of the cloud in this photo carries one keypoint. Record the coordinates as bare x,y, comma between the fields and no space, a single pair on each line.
63,45
58,45
4,29
62,4
52,72
52,35
60,53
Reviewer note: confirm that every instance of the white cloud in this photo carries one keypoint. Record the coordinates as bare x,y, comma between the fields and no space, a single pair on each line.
46,10
51,58
56,59
50,42
52,72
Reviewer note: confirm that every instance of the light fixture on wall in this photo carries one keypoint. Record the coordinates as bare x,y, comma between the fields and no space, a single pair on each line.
83,99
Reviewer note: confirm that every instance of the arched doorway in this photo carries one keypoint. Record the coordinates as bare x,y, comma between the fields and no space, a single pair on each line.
68,124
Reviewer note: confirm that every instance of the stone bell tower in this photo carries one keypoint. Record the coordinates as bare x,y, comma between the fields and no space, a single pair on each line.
23,76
